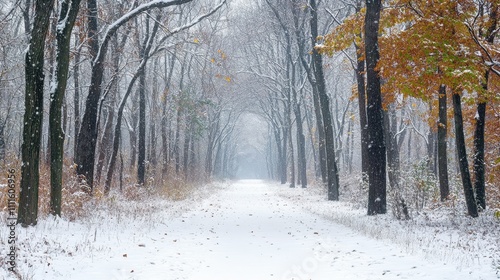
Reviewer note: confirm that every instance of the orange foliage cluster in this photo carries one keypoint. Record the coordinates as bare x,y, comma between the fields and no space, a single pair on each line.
427,43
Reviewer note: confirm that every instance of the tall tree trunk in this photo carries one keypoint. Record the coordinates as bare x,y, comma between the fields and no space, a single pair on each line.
284,154
292,154
301,148
141,165
153,112
185,158
2,140
444,188
106,141
177,141
301,41
431,148
87,137
376,147
164,121
141,156
76,97
50,54
462,157
479,168
281,159
67,17
33,115
391,143
479,165
164,145
331,164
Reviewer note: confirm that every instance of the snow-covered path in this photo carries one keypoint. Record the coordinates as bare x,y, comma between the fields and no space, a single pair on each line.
249,233
245,231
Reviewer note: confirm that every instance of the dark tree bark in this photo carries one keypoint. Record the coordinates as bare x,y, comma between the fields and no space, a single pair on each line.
376,146
141,165
33,114
87,136
462,157
76,98
479,165
141,149
444,188
67,17
479,168
331,164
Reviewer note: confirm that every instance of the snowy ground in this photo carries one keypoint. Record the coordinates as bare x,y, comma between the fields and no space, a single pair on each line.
242,230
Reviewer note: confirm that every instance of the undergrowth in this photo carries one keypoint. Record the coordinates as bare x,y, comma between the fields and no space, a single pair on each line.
79,202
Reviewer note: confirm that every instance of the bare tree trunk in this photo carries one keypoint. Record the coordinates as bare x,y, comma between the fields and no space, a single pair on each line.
376,148
76,100
462,157
479,165
185,159
292,156
177,140
363,123
141,165
67,17
164,121
332,170
444,188
87,137
34,76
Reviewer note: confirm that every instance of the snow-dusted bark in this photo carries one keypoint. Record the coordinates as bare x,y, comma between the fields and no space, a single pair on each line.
332,170
34,76
376,146
462,156
67,17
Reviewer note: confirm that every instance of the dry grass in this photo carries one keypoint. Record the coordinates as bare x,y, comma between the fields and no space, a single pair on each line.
78,202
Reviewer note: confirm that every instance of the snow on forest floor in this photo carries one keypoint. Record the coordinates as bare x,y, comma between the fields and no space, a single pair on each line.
250,230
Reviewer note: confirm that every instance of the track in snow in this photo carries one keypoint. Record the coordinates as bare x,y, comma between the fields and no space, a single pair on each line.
245,231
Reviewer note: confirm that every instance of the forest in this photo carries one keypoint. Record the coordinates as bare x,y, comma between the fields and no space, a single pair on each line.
393,105
148,93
